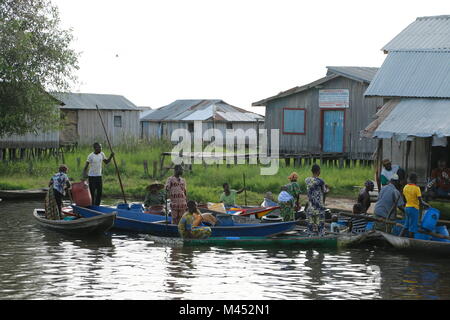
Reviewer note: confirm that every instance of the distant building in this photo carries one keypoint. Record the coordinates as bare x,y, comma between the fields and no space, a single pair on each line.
144,111
82,123
214,114
325,116
413,127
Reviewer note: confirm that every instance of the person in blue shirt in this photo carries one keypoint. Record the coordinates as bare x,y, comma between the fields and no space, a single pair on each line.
58,185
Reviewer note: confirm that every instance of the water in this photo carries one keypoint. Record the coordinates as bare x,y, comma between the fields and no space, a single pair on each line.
40,264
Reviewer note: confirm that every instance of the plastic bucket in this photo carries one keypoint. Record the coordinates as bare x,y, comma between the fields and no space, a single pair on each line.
370,226
137,207
442,230
81,194
430,219
123,206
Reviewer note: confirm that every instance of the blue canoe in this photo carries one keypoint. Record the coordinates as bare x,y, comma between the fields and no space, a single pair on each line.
136,221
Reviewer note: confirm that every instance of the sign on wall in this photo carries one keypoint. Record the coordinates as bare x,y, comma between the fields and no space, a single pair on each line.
334,98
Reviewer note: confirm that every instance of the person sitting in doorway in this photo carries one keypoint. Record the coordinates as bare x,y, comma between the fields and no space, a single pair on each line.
228,197
387,172
440,183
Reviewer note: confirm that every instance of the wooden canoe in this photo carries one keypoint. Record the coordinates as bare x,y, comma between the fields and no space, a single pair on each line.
139,222
417,245
23,194
81,226
283,241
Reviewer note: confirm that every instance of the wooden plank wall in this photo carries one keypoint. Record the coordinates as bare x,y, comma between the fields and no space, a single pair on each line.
358,116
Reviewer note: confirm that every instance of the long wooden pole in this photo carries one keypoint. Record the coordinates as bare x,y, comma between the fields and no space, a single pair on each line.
114,158
245,189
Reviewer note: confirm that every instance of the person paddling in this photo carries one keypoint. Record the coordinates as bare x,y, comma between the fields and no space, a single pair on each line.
95,162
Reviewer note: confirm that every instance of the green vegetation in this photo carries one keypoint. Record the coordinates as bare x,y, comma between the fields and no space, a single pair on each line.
204,182
35,58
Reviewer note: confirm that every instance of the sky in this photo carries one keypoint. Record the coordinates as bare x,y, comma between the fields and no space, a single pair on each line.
241,51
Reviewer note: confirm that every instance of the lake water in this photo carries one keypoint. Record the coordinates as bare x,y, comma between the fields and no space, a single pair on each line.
40,264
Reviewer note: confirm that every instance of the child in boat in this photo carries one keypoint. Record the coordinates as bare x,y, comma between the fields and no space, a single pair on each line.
413,198
189,225
357,225
58,185
334,226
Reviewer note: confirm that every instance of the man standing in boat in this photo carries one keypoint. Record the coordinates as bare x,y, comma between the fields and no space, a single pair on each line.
176,192
95,160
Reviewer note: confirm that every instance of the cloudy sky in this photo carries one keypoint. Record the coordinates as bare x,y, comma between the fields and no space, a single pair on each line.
241,51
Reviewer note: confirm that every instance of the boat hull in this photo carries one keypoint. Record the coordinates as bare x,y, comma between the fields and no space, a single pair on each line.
417,245
83,226
330,241
135,221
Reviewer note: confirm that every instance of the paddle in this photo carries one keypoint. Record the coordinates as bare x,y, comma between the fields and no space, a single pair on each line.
245,189
436,235
114,158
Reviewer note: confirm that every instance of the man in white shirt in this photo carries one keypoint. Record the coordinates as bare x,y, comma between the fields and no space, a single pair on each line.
96,160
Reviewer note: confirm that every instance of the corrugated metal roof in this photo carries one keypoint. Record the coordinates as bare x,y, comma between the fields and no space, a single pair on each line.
191,110
294,90
379,118
413,74
431,33
90,100
416,118
364,74
237,116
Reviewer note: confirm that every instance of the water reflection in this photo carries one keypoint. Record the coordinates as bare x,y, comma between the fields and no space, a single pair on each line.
40,264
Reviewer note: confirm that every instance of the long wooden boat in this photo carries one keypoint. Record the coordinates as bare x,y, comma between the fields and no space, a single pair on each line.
283,241
245,211
135,221
85,226
417,245
23,194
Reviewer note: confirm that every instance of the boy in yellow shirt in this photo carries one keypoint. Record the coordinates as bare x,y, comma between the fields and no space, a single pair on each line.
413,197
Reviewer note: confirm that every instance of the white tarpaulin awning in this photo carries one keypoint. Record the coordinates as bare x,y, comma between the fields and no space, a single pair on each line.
416,118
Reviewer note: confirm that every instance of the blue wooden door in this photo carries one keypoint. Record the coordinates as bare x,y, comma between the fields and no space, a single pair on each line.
333,131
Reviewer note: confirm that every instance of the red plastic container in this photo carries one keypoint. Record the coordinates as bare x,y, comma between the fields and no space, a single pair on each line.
81,194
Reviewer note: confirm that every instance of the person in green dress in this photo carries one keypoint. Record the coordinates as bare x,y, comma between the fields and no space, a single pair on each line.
294,189
189,225
228,197
286,203
155,198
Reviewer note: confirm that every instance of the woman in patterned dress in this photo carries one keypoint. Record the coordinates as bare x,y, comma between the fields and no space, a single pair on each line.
286,203
316,190
189,225
294,189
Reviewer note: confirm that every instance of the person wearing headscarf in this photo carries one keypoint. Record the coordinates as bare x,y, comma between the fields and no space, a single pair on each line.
364,196
294,189
286,203
155,197
58,185
387,172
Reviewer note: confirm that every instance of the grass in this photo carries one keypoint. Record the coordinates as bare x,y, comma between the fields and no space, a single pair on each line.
204,183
